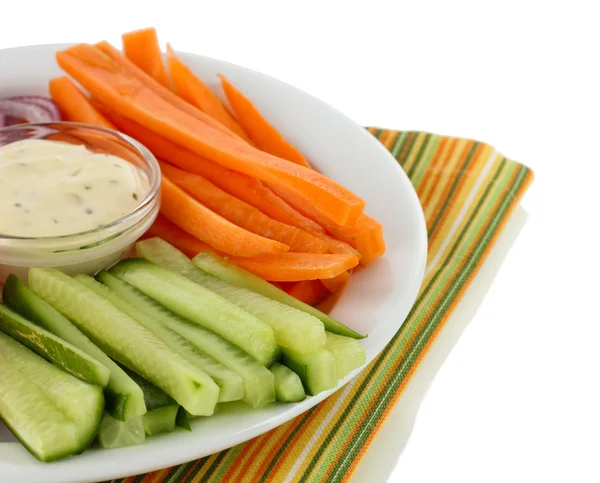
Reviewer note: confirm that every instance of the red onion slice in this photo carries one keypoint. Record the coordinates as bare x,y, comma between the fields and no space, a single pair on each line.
31,108
44,102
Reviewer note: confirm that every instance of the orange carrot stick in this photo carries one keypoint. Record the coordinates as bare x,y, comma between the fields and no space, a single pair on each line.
107,82
335,284
211,228
134,71
141,47
366,235
250,190
197,93
310,292
262,134
295,267
74,104
283,267
242,214
171,233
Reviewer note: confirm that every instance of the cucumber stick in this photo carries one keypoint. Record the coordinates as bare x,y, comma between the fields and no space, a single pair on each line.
288,386
201,306
230,272
316,370
126,341
52,413
258,382
124,398
117,434
348,353
293,328
131,301
52,348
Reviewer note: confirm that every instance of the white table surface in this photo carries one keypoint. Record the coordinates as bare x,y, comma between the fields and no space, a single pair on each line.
510,393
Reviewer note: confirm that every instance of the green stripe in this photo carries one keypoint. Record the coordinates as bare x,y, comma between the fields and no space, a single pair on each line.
412,322
402,160
457,180
398,377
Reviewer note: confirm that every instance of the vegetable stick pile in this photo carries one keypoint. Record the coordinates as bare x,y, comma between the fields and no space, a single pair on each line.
232,184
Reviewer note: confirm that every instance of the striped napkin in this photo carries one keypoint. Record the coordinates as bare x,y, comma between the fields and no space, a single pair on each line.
468,191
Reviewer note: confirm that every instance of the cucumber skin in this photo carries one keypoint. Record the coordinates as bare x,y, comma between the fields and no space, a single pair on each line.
21,298
31,336
230,272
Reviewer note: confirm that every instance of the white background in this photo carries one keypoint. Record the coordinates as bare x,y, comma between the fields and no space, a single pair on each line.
517,398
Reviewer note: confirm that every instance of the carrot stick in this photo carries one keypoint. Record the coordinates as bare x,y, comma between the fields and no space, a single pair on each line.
211,228
250,190
335,284
262,134
107,82
141,47
366,235
171,233
197,93
310,292
242,214
74,104
295,267
134,71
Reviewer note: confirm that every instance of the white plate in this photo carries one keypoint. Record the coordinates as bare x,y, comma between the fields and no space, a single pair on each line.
376,301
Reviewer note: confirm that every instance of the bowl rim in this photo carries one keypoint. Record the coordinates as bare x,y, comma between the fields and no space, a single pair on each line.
155,177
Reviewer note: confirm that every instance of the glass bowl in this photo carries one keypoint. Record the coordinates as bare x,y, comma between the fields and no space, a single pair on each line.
93,250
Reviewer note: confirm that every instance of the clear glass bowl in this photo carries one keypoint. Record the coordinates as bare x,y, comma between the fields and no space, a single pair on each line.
90,251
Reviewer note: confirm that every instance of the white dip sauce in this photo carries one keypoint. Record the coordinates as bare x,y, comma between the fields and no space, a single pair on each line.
50,188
